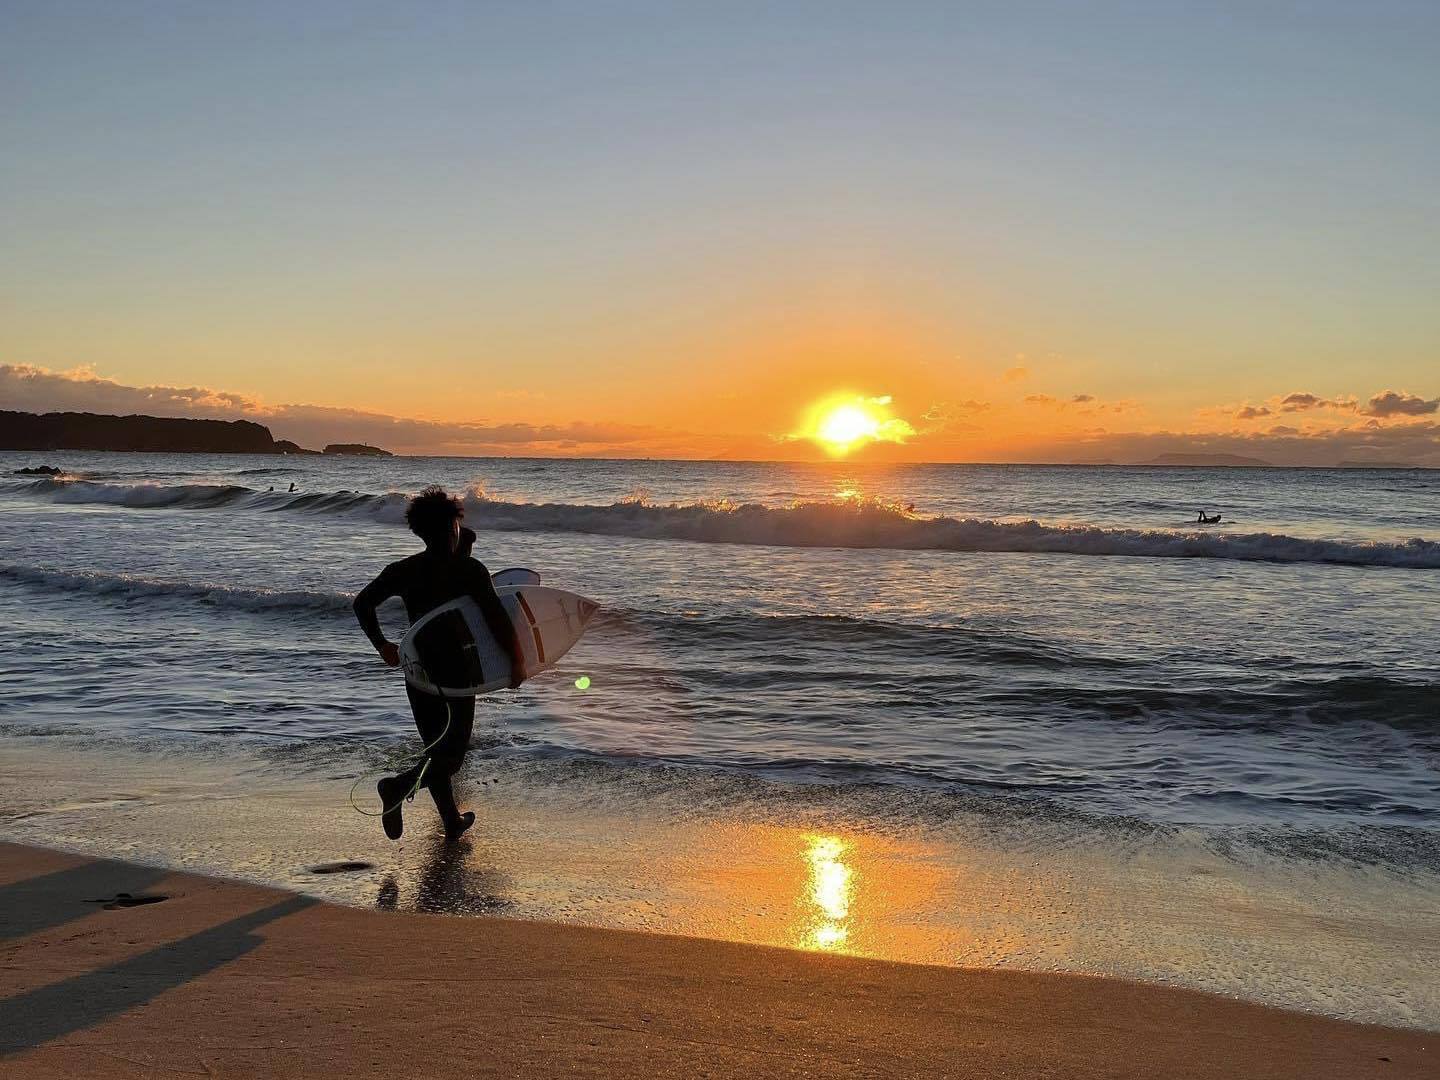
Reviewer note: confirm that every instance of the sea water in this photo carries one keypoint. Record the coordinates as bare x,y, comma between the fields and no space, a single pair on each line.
1060,654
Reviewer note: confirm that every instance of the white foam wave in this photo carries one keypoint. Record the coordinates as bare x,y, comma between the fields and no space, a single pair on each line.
151,496
848,524
839,524
130,586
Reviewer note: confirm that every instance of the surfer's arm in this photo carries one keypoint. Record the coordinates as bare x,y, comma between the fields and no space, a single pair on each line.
367,600
498,619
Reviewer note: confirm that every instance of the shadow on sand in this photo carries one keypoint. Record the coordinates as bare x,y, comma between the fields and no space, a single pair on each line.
38,903
39,1016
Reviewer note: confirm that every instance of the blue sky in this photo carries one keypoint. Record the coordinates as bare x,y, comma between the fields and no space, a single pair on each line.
451,210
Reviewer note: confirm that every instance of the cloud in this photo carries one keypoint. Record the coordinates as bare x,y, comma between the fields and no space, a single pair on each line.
1389,403
36,389
1300,402
1414,443
1016,374
1391,426
952,417
1082,404
943,411
316,425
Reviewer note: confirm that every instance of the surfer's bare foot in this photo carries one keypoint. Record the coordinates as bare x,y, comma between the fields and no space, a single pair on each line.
392,797
456,829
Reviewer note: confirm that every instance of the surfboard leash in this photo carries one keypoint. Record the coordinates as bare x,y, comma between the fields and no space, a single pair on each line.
419,779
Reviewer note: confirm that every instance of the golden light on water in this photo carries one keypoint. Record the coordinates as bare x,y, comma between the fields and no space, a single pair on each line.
845,422
831,886
841,892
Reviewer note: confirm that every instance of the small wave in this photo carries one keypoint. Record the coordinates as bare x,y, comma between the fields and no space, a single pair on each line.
617,624
876,638
137,496
847,523
1268,705
151,496
852,524
130,587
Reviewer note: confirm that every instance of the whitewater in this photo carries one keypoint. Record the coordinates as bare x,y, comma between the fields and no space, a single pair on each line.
1051,663
852,521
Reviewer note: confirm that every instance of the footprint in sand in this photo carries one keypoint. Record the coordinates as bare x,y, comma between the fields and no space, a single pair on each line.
341,867
125,900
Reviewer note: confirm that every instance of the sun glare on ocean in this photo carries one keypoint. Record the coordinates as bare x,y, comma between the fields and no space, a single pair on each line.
845,422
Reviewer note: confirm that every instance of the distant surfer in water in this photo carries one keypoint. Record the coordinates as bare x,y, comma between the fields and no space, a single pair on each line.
424,581
1202,519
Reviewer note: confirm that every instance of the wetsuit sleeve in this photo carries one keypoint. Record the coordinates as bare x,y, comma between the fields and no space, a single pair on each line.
371,597
483,590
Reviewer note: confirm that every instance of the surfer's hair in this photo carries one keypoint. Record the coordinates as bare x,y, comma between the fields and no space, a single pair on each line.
431,514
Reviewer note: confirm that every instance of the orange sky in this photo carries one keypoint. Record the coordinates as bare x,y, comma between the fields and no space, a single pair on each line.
668,231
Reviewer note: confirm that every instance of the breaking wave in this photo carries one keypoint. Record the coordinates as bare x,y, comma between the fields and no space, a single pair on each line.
127,586
831,524
920,660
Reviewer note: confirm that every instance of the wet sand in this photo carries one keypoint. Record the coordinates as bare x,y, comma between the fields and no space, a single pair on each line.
1340,943
230,979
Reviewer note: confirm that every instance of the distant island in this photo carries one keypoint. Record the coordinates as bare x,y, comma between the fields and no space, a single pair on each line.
153,434
357,449
1208,459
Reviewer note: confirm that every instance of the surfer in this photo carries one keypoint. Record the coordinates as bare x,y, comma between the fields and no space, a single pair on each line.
424,581
1202,519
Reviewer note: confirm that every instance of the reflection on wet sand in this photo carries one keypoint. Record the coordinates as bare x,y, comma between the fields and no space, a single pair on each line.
773,885
830,887
450,881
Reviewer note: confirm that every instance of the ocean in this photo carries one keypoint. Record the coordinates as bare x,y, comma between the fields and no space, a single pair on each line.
987,671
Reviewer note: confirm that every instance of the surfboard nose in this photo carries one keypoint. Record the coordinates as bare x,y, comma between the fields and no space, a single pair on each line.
587,609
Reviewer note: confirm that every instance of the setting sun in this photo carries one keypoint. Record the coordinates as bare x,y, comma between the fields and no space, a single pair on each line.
843,423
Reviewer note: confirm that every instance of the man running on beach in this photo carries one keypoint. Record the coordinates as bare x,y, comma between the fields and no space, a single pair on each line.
424,581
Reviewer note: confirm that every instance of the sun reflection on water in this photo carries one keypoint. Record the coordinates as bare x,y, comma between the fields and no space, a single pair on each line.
831,888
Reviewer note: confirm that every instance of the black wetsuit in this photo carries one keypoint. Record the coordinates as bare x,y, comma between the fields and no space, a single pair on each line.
424,582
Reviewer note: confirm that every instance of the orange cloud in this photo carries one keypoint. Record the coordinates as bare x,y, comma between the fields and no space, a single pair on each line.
1389,403
1391,425
36,389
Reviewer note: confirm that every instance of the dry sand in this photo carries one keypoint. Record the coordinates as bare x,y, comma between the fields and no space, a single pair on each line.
223,979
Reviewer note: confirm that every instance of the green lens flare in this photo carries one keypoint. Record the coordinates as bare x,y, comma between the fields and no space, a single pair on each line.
582,683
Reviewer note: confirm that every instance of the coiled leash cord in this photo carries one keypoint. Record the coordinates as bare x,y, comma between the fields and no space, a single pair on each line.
419,779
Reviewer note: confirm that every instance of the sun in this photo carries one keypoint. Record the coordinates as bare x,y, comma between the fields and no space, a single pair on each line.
845,425
844,422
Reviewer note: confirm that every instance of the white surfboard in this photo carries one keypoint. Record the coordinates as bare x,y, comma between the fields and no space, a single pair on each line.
451,652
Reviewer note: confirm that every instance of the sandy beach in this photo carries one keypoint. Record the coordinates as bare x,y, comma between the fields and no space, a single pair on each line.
720,540
224,979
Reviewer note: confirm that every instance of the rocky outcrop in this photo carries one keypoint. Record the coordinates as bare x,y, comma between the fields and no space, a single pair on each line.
93,431
358,449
